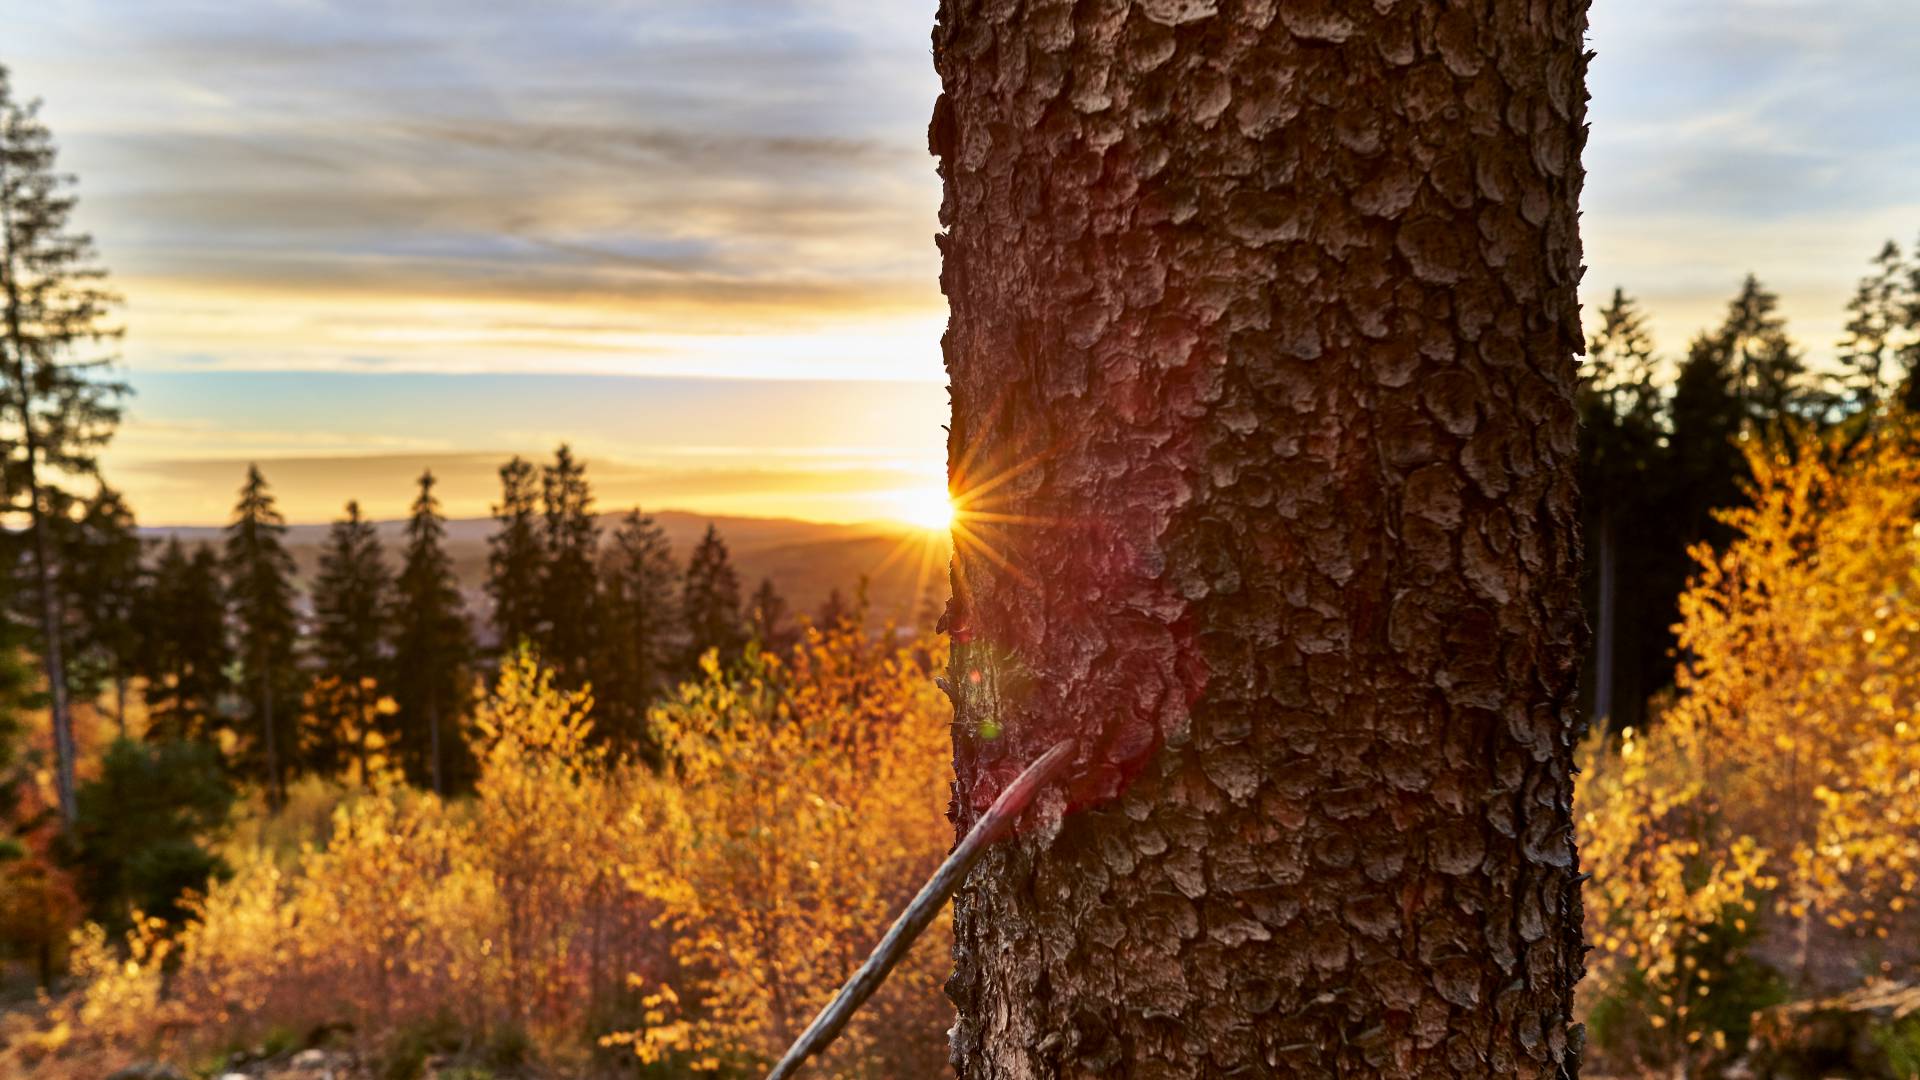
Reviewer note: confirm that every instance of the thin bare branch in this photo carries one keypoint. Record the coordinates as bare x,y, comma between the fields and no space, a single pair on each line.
996,823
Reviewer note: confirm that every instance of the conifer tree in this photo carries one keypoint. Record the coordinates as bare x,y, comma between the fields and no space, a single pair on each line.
1908,353
571,541
1870,353
766,618
638,618
102,578
185,654
1752,346
1283,296
350,605
834,610
515,565
57,406
1622,454
710,600
260,589
432,645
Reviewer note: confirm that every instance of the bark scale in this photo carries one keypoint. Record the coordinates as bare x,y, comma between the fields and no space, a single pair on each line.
1262,363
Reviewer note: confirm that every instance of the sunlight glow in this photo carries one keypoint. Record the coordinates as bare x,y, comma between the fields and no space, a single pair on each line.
929,508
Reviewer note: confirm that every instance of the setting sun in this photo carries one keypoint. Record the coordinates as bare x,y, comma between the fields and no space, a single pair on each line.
929,508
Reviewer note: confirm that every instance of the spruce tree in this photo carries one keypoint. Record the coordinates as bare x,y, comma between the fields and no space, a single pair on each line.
432,645
260,588
710,601
516,564
185,654
834,610
638,619
1753,348
1908,354
1283,296
56,404
1622,457
571,540
102,579
350,602
1870,353
766,618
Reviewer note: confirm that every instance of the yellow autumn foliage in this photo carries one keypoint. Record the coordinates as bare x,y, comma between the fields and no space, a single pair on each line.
576,904
1769,821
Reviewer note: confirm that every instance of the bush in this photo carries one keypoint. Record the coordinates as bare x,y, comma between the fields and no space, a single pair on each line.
138,839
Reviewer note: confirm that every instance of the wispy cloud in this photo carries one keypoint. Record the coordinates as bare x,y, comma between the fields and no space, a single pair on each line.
1777,136
679,170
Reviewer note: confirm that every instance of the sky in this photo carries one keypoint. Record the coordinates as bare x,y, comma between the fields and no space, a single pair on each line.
359,238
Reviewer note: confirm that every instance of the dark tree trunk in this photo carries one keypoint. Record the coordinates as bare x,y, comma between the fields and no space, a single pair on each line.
433,735
1261,351
51,630
275,793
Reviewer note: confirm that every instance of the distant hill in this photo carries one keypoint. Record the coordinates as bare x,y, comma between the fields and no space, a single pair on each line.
806,560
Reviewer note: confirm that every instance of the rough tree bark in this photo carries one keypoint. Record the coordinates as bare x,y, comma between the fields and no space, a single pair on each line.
1262,358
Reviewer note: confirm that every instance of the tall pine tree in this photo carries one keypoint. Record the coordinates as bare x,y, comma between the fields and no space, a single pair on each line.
1622,454
101,575
515,563
260,589
432,645
767,618
350,599
185,654
1752,347
571,540
710,601
1870,353
56,405
639,640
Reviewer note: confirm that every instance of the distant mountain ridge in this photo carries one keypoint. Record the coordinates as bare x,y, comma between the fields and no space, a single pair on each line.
806,560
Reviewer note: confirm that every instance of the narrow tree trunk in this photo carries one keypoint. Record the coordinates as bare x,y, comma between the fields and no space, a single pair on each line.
50,623
50,620
1261,352
273,751
433,729
120,701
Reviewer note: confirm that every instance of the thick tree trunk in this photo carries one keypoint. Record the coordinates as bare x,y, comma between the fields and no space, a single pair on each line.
1263,437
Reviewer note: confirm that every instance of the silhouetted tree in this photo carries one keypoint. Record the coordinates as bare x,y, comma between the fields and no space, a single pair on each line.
1908,354
184,650
572,540
260,589
516,564
834,610
1870,353
767,618
710,601
101,575
639,638
350,604
1622,458
1764,369
56,406
432,645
